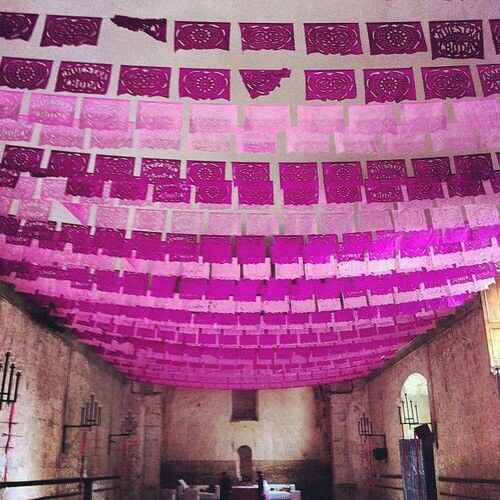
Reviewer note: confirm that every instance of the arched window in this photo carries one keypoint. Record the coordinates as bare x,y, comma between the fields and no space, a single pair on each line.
414,403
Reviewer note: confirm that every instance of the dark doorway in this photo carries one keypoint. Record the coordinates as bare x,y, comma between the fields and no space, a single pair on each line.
246,463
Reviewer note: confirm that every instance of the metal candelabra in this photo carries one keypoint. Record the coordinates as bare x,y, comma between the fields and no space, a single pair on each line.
9,389
90,416
365,430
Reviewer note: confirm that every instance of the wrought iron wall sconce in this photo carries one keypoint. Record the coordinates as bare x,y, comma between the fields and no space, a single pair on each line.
128,427
408,415
90,416
9,389
365,430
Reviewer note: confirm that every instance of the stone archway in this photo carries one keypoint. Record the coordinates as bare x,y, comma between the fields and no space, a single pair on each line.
245,463
415,389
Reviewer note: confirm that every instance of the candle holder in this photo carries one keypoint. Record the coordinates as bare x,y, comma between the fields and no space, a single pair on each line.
128,427
90,416
408,415
365,430
9,389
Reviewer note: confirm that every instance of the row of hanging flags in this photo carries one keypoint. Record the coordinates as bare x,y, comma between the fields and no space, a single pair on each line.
380,85
249,274
454,39
102,123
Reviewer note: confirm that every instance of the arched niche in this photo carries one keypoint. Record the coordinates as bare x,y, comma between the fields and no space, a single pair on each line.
415,396
245,463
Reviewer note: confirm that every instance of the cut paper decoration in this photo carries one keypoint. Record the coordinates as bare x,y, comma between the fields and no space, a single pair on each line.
373,119
216,192
396,38
386,169
10,104
489,76
104,114
67,164
159,116
20,130
247,172
255,193
151,81
256,142
266,119
111,139
389,85
159,139
19,73
495,33
204,141
174,192
267,36
22,159
85,185
155,28
348,172
448,82
424,116
333,38
70,30
149,220
205,172
190,35
58,135
159,170
110,168
330,85
320,119
436,169
80,77
457,39
474,167
213,118
17,25
200,84
261,82
301,141
50,109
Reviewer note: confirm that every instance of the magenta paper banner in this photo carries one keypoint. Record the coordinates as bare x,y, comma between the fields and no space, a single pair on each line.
155,28
389,85
333,38
18,73
396,38
16,25
267,36
448,82
10,104
52,110
70,30
159,116
190,35
330,85
202,84
151,81
88,78
457,39
495,33
263,81
104,114
213,118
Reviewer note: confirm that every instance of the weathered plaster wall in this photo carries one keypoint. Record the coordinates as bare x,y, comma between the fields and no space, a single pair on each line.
288,441
58,376
464,402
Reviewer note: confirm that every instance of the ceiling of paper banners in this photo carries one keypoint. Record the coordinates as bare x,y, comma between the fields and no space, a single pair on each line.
233,196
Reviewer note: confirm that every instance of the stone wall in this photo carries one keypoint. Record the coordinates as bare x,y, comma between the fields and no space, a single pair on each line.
464,402
288,441
58,377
